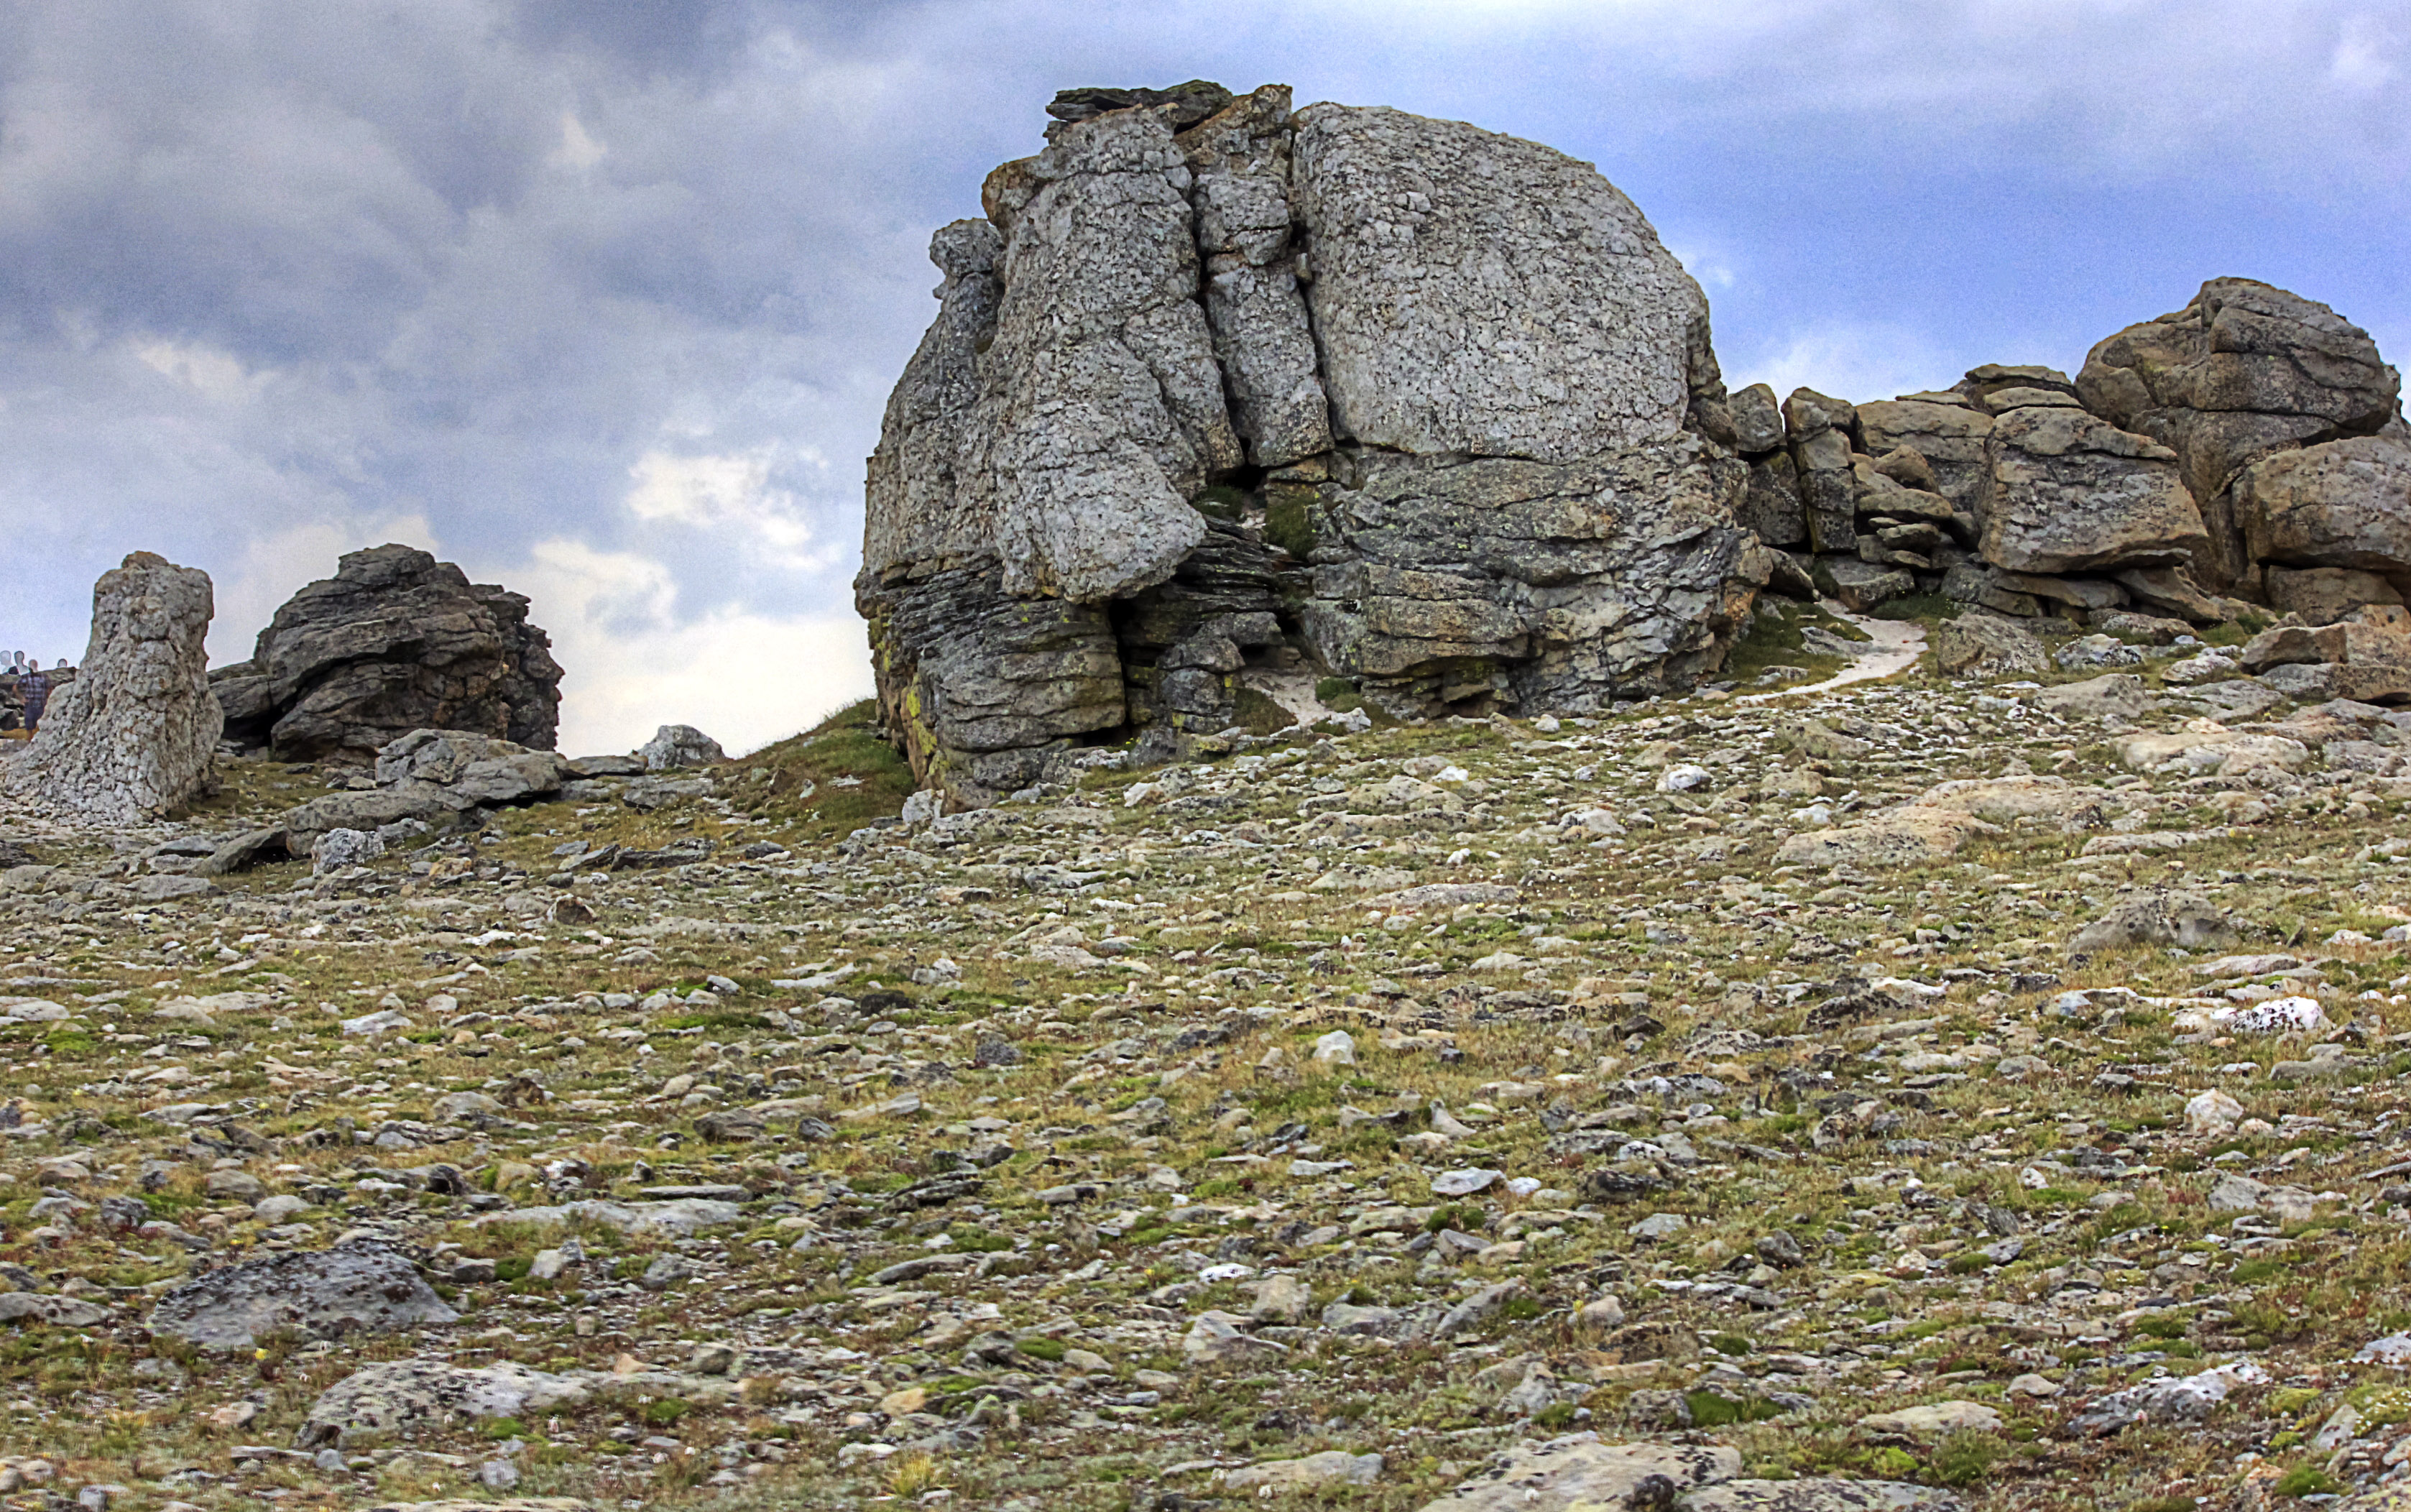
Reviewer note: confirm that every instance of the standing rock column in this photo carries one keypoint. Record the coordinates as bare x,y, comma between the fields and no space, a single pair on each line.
1819,428
134,736
1241,161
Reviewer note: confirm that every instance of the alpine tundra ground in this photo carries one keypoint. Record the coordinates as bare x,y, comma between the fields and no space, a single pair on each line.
1718,1073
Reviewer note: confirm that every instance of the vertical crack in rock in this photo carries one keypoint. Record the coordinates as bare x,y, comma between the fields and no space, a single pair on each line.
1241,161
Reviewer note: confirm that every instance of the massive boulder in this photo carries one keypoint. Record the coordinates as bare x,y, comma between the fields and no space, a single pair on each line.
395,641
1428,404
2244,372
2341,504
134,736
2063,492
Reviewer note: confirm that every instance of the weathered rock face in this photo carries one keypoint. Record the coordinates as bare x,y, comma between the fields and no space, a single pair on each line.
395,641
1434,244
2343,503
2244,371
1543,586
2063,492
1205,392
135,735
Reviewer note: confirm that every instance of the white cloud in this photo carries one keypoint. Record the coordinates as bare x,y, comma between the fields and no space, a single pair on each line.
732,490
577,150
204,369
1708,264
1849,361
2361,61
743,677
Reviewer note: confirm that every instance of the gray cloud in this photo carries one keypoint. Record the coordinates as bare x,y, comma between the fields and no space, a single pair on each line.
602,296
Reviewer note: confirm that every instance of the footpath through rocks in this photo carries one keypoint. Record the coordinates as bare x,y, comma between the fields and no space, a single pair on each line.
1914,1094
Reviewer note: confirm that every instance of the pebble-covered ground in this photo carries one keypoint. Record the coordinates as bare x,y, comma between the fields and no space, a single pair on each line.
1994,1089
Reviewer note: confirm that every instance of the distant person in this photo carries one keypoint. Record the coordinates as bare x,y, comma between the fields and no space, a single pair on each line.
35,688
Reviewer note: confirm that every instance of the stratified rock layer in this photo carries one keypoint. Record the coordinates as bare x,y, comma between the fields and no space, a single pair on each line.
395,641
1424,405
135,735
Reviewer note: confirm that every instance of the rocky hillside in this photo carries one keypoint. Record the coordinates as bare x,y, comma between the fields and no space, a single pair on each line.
1900,1092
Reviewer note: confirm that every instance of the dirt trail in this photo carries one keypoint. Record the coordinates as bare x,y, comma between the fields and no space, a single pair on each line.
1897,644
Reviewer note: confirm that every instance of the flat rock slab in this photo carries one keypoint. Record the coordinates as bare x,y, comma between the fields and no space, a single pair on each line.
1935,1417
58,1312
1819,1496
1578,1473
403,1394
678,1218
324,1295
1333,1467
1899,837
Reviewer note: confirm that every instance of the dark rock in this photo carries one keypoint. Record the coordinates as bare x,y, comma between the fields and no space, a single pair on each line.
395,641
1186,104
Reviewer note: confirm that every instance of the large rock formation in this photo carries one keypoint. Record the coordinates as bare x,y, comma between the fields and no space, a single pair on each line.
135,735
1429,404
2247,371
1214,386
395,641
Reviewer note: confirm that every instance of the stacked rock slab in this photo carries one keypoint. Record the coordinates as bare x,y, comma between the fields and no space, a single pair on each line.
395,641
2247,451
135,735
1429,403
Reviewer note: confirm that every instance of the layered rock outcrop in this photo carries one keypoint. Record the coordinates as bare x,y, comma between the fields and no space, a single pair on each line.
395,641
1427,405
2245,453
1217,387
134,736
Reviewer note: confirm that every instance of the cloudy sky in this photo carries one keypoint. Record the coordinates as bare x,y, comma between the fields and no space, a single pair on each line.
602,298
